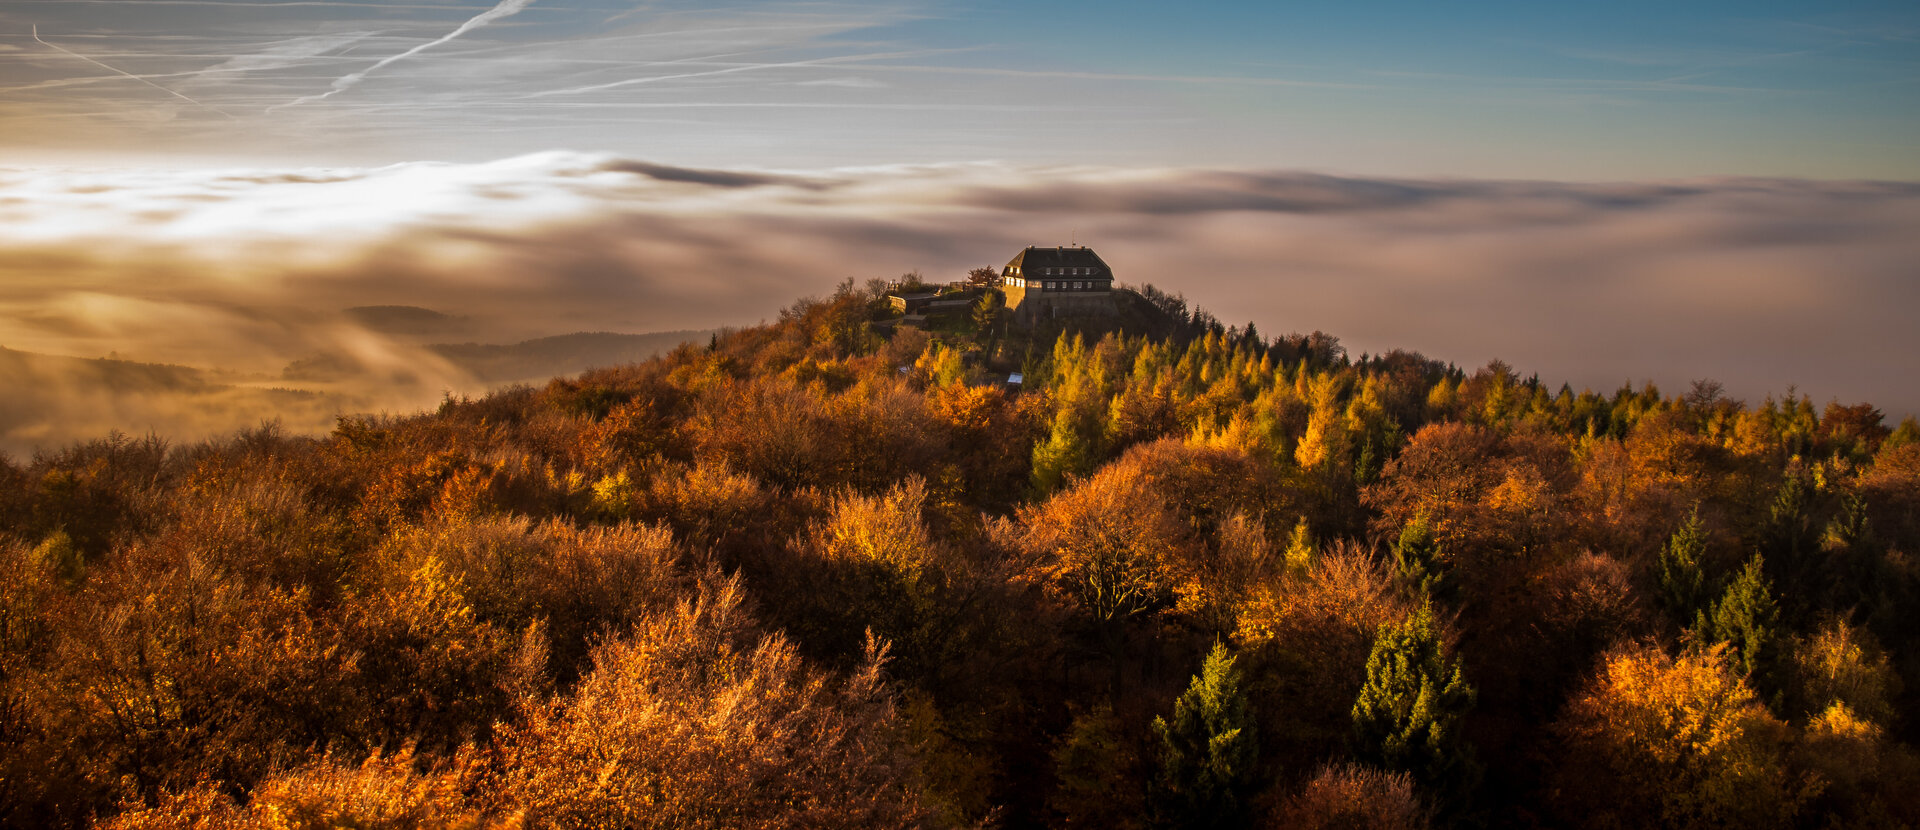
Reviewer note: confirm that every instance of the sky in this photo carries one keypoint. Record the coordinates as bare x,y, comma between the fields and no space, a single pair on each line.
1620,194
1561,91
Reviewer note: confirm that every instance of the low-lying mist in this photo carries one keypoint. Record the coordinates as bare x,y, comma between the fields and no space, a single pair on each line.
299,293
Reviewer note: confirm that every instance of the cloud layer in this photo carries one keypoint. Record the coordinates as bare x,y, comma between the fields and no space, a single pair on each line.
1758,283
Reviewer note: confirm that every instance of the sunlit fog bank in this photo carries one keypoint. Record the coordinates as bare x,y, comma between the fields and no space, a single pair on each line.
304,292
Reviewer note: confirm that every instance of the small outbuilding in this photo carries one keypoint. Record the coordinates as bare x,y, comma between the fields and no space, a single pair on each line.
912,303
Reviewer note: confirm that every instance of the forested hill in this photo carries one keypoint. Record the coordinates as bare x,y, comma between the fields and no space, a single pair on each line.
811,576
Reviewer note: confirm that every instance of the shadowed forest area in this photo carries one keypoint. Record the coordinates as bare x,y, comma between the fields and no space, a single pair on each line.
809,576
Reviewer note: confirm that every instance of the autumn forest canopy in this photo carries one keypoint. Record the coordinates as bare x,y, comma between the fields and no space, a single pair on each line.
816,574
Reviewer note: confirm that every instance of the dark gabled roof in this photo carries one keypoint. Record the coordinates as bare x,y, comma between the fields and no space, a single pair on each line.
1075,257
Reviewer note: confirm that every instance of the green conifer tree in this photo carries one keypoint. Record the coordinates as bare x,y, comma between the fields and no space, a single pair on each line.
1208,752
1408,714
1065,452
1849,529
1853,569
1792,534
1748,620
1682,581
1416,556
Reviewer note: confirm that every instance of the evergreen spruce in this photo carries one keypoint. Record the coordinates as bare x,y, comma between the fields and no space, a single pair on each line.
1854,566
1066,452
1748,620
1849,529
1416,556
1207,752
1366,463
1682,588
1408,714
1792,535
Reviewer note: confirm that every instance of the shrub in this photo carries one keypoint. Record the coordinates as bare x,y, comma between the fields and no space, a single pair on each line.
1674,742
1353,797
694,721
384,792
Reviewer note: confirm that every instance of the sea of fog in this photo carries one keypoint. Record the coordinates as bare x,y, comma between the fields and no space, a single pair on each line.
259,292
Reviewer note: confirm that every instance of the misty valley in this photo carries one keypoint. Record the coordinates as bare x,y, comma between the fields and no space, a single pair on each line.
391,365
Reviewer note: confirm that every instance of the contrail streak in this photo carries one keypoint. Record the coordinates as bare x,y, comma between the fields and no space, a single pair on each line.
126,74
346,82
752,67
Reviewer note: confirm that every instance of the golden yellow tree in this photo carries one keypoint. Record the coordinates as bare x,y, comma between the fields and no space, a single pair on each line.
1675,742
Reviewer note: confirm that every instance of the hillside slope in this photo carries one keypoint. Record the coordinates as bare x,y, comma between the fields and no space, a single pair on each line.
808,574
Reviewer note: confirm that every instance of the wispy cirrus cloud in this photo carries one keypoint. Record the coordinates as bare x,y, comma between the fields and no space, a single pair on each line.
1685,91
256,79
814,82
284,53
723,69
506,8
125,74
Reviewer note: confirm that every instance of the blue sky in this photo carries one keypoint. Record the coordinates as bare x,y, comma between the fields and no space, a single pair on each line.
1534,90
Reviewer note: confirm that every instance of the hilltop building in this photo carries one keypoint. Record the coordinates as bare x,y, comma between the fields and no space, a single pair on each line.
1045,283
